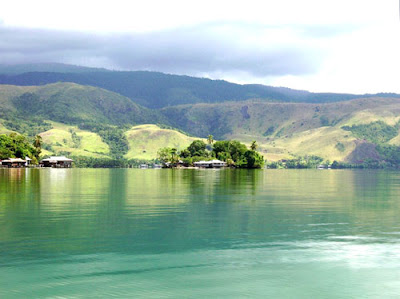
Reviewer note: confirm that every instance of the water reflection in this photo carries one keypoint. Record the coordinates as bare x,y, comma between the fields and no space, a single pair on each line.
197,205
143,230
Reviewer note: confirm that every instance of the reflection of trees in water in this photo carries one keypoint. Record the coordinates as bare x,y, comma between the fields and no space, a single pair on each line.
19,184
210,185
91,210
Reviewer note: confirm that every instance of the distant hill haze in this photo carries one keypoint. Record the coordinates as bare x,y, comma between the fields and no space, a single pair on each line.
75,117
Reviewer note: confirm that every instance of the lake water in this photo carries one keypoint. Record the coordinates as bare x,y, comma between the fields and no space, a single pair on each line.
85,233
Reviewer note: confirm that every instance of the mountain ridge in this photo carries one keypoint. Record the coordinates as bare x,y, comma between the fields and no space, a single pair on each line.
158,90
73,115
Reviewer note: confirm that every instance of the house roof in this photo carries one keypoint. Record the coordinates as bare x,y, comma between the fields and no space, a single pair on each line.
14,160
55,159
209,162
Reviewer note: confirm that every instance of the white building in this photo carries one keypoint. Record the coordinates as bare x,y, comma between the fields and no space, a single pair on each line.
210,164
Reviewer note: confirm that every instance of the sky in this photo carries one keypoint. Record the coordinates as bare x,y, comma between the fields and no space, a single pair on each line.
349,46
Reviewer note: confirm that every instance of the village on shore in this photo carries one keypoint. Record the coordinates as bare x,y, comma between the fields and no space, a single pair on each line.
199,154
64,162
53,161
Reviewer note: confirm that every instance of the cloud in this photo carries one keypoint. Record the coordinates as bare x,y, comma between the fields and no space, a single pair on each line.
255,49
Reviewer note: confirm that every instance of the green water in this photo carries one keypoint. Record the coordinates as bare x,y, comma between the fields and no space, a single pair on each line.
88,233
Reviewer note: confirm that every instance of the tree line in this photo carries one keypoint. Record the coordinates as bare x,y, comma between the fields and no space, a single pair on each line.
18,146
234,153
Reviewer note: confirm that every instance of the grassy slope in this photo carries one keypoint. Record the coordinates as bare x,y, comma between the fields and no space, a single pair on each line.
60,139
3,129
145,140
298,129
72,103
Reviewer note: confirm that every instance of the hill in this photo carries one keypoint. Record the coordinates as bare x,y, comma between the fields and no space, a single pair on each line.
72,119
89,121
145,140
72,103
158,90
70,140
285,130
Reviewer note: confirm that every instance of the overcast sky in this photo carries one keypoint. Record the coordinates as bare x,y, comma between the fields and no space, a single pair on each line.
318,45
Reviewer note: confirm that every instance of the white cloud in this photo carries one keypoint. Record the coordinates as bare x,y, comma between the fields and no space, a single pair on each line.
120,15
340,46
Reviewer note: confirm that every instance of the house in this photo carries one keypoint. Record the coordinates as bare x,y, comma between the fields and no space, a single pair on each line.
13,163
28,161
210,164
57,162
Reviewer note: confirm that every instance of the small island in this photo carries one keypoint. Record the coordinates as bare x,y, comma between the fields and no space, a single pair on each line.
227,153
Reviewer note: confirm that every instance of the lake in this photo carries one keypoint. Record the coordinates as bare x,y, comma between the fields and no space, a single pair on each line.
174,233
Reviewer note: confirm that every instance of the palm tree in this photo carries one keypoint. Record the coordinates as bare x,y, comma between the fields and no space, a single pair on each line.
174,156
37,144
210,139
253,145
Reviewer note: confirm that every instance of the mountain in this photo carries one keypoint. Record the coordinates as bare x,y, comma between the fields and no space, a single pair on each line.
145,140
85,120
13,69
157,90
73,119
335,131
73,104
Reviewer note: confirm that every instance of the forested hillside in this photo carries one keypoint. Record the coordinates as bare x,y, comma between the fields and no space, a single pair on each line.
158,90
345,131
84,120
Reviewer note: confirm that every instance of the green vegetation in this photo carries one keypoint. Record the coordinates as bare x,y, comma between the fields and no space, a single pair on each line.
377,132
233,152
145,140
78,120
17,146
210,139
340,147
116,140
324,121
390,154
298,163
73,104
72,141
90,162
157,90
269,131
29,125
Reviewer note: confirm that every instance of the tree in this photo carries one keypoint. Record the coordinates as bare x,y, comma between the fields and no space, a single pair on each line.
253,145
164,154
16,146
173,152
210,139
253,159
229,148
174,156
37,144
197,148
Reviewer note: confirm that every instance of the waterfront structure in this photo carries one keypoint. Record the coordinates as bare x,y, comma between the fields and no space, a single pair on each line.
13,163
210,164
57,162
28,161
